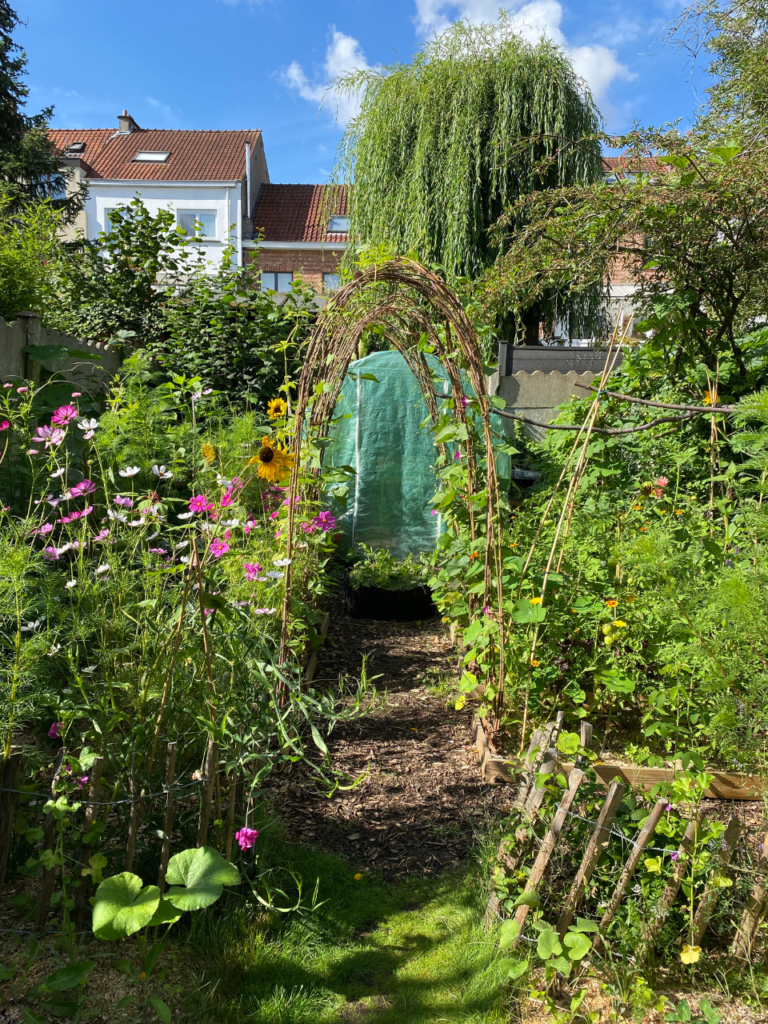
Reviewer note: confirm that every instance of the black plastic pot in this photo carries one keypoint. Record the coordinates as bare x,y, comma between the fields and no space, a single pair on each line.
393,605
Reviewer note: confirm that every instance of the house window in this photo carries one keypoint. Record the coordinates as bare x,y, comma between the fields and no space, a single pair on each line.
198,223
148,156
331,282
338,226
271,281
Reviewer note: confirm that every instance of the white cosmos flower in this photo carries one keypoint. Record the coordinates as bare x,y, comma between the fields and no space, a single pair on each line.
101,569
153,535
57,473
265,611
31,627
141,521
129,471
180,547
161,472
86,424
54,650
185,559
222,481
282,562
275,575
230,522
117,515
70,583
186,515
65,547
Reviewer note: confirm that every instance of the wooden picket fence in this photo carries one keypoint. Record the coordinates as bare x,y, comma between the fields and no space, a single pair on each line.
542,759
211,797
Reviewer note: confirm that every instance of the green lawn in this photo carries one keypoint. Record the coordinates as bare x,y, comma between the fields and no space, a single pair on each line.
373,952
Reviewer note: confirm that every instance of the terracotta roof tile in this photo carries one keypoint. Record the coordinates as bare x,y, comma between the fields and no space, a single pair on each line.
626,164
298,213
194,155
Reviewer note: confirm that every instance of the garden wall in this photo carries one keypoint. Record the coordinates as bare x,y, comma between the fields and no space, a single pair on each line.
98,360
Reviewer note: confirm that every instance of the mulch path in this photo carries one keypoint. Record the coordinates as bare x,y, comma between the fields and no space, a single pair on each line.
418,807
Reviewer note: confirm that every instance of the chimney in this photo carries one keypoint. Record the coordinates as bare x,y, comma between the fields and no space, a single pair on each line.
126,124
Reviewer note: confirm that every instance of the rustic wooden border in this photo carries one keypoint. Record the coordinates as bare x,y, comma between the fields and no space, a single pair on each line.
725,785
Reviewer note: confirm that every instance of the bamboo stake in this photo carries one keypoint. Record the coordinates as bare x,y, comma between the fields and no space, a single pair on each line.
133,817
9,779
49,874
708,900
550,841
597,844
630,867
546,763
234,796
675,881
94,787
753,912
165,852
210,767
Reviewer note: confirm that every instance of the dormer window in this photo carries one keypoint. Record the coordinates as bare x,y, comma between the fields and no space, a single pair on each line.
338,226
150,156
74,149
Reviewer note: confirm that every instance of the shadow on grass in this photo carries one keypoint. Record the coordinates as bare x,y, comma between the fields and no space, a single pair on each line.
372,952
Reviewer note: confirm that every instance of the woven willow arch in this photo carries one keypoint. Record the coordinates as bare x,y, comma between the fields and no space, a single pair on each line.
406,300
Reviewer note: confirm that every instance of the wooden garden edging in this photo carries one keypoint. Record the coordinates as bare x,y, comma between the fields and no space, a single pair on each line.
725,785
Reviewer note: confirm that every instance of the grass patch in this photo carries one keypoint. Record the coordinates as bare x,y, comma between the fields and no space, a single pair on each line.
373,952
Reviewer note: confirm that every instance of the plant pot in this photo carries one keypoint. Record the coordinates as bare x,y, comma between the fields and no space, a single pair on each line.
393,605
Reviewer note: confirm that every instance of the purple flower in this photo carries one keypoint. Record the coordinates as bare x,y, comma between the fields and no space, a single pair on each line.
157,551
64,415
218,547
325,521
53,732
82,781
50,435
668,808
464,401
51,554
102,535
200,504
252,570
674,857
125,502
246,837
84,487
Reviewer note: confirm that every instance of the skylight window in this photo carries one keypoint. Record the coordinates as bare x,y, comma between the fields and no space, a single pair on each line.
150,156
338,225
75,147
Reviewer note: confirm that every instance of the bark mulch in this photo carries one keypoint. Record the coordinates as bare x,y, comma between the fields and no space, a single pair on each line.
417,808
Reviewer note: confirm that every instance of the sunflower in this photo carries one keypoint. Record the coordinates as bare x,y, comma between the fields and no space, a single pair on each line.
277,408
273,460
209,453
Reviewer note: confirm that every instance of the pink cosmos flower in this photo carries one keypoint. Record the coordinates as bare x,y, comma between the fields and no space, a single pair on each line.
5,424
53,732
246,837
200,504
274,515
125,502
50,554
7,385
249,526
218,547
21,391
82,781
45,528
76,394
157,551
226,499
76,515
307,527
325,521
102,535
252,570
236,481
464,401
84,487
433,512
278,533
64,415
50,435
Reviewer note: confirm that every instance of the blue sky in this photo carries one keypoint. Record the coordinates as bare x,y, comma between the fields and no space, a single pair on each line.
265,63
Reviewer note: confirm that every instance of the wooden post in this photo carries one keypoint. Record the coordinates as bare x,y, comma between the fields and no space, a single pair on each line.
537,792
49,874
234,796
675,881
597,844
630,867
9,780
753,912
210,768
170,774
550,841
133,817
708,900
94,785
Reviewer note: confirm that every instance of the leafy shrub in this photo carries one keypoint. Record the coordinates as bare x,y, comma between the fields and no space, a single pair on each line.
378,568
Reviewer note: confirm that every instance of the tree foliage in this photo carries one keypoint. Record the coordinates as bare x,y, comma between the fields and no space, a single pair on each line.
444,144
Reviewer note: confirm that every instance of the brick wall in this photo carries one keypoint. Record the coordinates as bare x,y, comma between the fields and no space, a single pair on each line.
309,264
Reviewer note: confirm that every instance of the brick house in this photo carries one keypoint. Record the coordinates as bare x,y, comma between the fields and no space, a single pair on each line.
299,231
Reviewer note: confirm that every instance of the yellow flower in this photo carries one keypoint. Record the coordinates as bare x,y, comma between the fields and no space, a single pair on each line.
273,461
460,703
446,618
611,603
620,624
358,877
534,663
142,976
690,954
637,507
678,511
209,453
662,511
630,597
277,408
535,600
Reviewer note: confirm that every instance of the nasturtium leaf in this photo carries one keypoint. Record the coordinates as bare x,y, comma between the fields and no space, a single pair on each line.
198,878
166,913
562,965
513,968
568,742
576,945
583,925
509,932
529,898
121,906
548,944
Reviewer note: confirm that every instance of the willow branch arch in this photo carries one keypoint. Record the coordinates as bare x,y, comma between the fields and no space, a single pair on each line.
407,300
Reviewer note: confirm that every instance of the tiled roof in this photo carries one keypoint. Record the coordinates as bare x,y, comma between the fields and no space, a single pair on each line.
624,164
194,155
299,213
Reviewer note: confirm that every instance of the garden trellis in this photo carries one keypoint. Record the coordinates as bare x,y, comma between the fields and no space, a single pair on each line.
407,300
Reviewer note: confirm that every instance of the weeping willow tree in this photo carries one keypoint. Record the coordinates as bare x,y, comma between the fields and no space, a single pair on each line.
444,144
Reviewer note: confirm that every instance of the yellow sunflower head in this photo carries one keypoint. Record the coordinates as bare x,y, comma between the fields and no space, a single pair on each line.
276,408
273,461
209,453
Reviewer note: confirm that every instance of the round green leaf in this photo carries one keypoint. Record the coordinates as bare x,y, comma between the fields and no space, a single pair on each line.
204,873
577,945
548,944
121,907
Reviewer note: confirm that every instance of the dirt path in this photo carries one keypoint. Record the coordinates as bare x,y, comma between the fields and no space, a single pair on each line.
417,809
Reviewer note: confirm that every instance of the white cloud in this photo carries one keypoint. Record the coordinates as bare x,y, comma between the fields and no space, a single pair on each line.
598,65
343,54
164,109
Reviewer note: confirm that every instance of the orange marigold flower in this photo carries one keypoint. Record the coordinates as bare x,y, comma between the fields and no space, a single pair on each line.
678,511
534,663
611,603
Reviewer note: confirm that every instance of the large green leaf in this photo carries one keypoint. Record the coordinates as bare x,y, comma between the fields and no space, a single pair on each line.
509,932
203,873
577,945
121,907
66,977
548,944
166,913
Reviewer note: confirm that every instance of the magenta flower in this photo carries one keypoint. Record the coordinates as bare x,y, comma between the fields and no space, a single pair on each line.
674,856
236,481
84,487
325,521
51,435
246,837
64,415
218,547
487,610
433,512
53,732
226,499
464,401
21,391
252,570
307,527
51,554
102,535
82,781
125,502
274,515
73,516
5,424
200,504
45,528
249,526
